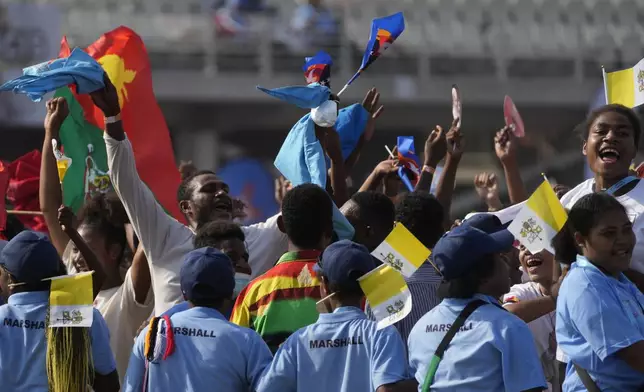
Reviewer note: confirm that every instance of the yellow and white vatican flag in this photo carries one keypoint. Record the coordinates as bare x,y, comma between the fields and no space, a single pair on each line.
388,295
70,301
625,87
540,219
402,251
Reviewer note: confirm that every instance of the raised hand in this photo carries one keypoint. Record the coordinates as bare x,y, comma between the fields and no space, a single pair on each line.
57,112
66,218
107,98
388,167
505,145
487,187
370,103
455,141
435,146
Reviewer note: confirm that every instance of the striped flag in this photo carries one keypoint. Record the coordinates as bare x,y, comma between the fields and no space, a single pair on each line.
70,301
388,295
540,219
402,251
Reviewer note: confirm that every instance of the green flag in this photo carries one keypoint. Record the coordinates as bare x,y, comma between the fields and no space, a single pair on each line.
84,144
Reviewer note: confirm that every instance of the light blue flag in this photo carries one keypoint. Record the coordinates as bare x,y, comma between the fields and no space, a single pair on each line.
79,69
301,159
350,126
304,97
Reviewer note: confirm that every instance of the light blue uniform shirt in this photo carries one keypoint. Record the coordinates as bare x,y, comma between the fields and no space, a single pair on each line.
494,350
23,347
341,352
598,315
210,354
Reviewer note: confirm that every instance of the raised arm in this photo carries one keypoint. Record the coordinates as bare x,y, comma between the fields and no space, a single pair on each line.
445,188
150,221
379,173
50,193
435,149
338,175
65,219
370,104
505,146
140,273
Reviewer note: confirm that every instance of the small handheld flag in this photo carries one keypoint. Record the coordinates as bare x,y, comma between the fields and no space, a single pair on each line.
70,301
63,162
539,220
388,295
384,32
625,87
317,69
409,172
402,251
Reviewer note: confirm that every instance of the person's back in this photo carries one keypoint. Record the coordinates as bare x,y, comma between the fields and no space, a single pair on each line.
208,351
493,350
197,349
282,300
343,351
23,345
35,355
478,354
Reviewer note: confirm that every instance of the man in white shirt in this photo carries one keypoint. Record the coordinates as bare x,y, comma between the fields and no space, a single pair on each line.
202,197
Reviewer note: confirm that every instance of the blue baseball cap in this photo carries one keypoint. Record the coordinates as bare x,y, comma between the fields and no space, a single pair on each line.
207,274
343,262
461,248
486,222
30,257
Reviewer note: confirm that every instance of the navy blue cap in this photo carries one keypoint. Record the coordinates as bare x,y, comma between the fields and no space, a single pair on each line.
207,274
343,262
488,223
461,248
30,257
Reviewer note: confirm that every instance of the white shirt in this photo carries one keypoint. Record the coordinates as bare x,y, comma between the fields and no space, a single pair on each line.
123,316
543,328
122,313
165,240
632,201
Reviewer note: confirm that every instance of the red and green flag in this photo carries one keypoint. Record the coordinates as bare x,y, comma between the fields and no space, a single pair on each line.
124,58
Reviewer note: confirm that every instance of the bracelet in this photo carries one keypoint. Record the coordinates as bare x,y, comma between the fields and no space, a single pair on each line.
113,119
429,169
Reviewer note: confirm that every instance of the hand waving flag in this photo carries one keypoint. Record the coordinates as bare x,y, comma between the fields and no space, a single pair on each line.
384,32
409,172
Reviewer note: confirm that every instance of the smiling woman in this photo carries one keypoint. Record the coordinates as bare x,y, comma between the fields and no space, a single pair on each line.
611,136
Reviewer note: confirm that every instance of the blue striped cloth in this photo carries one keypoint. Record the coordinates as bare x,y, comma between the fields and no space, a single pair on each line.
423,286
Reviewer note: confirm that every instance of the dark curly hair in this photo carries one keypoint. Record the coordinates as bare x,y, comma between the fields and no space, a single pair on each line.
582,217
307,212
212,233
423,215
105,213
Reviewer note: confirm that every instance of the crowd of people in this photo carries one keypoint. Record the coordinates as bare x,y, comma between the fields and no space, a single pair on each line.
277,306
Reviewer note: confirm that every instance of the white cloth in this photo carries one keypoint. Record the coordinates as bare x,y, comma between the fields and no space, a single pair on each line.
543,329
165,240
123,316
632,201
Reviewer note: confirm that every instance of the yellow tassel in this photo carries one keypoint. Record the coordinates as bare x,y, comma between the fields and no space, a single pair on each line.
70,365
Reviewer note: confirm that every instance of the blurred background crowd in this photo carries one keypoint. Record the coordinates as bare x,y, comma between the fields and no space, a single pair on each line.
208,56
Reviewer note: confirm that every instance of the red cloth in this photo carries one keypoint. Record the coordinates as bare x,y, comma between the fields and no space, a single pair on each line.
123,55
4,183
22,192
